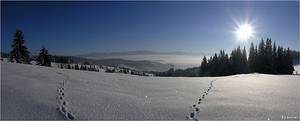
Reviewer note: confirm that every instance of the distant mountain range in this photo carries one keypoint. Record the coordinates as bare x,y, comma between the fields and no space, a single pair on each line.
142,65
140,60
176,58
138,52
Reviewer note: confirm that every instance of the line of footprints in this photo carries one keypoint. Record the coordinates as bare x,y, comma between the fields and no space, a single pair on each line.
196,107
62,103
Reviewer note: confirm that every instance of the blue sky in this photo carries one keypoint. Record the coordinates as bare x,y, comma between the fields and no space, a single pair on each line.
72,28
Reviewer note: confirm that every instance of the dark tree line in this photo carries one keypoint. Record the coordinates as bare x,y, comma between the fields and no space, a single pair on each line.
62,59
267,58
84,67
222,64
190,72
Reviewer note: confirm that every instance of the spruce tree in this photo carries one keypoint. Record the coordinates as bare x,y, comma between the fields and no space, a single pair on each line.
76,67
261,59
256,59
244,61
44,58
268,56
19,53
251,59
214,65
289,62
83,67
280,60
227,67
236,61
203,67
274,59
223,64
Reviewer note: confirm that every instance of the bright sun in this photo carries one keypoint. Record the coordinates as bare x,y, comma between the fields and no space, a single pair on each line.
244,32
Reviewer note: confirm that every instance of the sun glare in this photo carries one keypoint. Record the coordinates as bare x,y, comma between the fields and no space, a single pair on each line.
244,32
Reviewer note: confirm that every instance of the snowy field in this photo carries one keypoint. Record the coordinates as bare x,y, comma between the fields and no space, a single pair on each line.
33,92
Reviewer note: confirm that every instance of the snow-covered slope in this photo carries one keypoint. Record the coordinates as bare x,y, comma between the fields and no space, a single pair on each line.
253,97
30,92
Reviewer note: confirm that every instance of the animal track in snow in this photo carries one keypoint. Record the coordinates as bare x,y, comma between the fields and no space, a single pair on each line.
61,101
196,107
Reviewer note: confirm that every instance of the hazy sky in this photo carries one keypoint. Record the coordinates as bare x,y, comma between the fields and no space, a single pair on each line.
82,27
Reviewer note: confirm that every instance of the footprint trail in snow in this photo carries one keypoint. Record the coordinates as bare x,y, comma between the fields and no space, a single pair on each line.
61,101
194,115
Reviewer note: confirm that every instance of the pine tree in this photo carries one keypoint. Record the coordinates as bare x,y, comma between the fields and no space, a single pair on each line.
226,66
236,61
223,64
256,59
274,59
244,61
44,58
19,53
289,62
214,65
251,59
76,67
268,56
83,67
203,67
261,59
280,60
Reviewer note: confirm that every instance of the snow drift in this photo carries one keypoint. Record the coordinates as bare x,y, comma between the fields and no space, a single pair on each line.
30,92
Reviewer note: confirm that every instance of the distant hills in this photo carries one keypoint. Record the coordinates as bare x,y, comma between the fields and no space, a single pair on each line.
145,60
141,60
138,52
142,65
176,58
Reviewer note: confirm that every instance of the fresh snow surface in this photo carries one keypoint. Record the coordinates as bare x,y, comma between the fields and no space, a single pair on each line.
32,92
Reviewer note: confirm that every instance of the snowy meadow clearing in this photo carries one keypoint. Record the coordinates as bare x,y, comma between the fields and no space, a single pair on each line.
39,93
